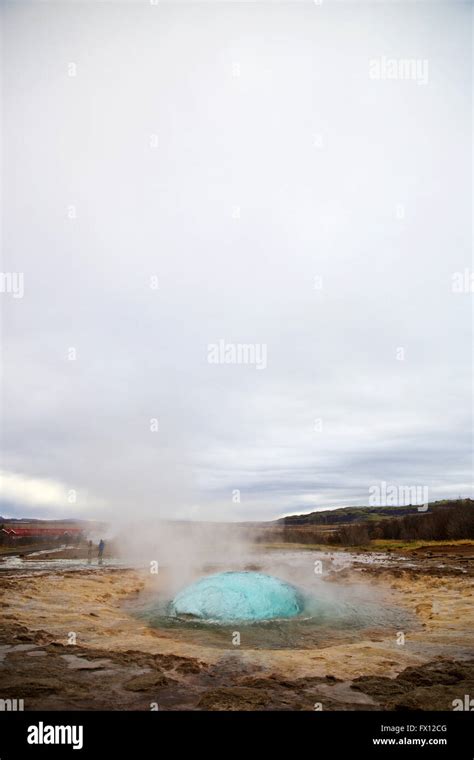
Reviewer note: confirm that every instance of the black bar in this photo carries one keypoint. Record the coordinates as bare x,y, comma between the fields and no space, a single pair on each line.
139,734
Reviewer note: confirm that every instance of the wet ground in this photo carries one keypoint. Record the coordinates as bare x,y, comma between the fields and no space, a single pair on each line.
86,637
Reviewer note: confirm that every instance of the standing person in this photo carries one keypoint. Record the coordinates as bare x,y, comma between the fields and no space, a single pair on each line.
101,550
89,552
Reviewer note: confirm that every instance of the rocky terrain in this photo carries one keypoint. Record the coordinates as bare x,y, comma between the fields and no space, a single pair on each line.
68,641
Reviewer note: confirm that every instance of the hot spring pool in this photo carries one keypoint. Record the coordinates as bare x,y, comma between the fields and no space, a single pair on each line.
297,610
239,596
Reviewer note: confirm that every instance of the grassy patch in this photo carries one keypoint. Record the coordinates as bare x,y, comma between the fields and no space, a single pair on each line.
377,545
392,545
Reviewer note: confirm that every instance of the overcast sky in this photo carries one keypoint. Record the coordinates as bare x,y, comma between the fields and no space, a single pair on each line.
247,157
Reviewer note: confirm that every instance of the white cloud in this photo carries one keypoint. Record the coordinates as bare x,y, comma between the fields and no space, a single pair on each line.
327,211
41,494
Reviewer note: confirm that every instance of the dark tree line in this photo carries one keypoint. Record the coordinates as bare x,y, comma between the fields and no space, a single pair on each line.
442,522
451,523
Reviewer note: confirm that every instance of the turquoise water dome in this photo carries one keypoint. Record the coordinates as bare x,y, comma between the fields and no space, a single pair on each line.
245,596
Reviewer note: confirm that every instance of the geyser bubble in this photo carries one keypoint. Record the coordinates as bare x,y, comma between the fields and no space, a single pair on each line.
233,596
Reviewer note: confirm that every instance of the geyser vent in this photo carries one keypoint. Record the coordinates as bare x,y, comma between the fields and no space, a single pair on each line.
231,596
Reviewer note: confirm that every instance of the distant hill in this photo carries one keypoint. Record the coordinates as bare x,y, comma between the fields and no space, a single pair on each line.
346,515
39,520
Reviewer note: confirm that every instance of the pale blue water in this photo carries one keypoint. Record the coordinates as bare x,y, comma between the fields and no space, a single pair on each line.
239,596
297,609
